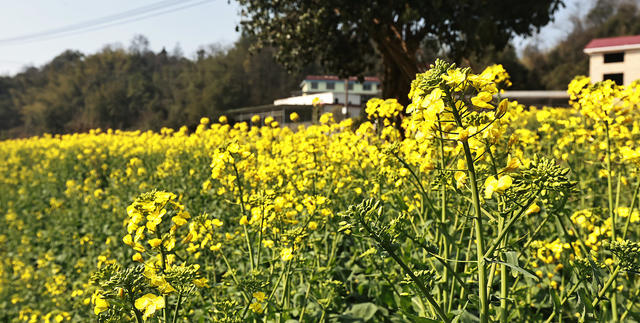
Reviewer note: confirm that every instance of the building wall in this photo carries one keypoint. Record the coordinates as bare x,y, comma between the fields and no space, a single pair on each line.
339,87
325,98
630,67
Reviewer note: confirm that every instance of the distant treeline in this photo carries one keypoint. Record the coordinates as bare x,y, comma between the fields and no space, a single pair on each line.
135,88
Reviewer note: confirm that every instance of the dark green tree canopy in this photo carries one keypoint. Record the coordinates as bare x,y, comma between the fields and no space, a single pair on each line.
136,88
344,35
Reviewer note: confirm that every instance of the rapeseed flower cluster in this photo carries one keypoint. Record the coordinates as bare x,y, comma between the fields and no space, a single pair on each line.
243,220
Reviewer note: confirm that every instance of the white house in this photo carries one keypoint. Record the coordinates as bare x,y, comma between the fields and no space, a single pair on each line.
358,92
614,58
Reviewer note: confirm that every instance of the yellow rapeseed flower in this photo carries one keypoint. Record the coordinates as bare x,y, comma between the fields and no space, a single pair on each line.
137,257
286,254
482,100
149,304
155,242
260,296
100,303
533,208
492,185
256,307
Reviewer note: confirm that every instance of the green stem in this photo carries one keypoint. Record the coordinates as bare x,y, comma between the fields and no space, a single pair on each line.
632,302
243,211
175,313
136,312
285,294
304,301
612,215
246,235
275,287
245,310
443,216
633,205
503,268
564,299
442,260
457,259
417,280
260,236
533,235
496,243
165,311
233,276
606,286
482,275
420,285
503,294
417,183
467,262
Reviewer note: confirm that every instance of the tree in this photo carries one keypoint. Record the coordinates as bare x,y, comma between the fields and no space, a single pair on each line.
344,35
135,88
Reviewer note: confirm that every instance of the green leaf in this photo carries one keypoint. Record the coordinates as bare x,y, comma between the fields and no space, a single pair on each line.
556,300
474,299
512,258
368,252
364,311
519,269
417,305
418,319
586,300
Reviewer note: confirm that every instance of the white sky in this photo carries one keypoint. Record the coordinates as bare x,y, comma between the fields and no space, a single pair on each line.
211,22
207,22
559,28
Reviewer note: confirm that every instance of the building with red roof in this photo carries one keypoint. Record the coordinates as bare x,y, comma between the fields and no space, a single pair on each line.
614,58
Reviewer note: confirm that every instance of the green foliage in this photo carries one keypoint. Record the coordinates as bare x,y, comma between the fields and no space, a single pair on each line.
139,89
335,32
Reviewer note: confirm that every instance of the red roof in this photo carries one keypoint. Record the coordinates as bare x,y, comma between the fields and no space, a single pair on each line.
335,78
614,41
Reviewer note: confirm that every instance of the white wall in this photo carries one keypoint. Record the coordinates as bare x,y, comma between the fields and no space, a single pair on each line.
630,67
325,98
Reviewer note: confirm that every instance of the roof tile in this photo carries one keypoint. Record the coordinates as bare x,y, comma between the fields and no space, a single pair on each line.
613,41
335,78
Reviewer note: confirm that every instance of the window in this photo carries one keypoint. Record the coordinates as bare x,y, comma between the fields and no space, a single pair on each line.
616,77
614,57
330,86
314,85
350,86
366,87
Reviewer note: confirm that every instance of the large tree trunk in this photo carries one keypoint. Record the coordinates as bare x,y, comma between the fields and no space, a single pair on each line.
395,82
400,63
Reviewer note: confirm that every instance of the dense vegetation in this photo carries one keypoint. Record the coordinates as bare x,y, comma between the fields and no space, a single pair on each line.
484,210
136,88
